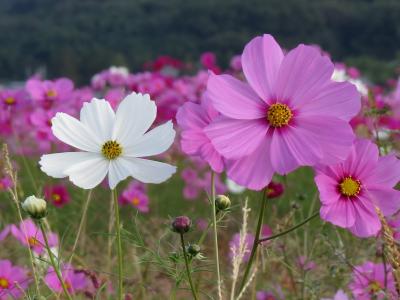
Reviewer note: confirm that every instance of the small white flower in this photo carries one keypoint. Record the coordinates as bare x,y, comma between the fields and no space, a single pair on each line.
35,207
340,75
233,187
123,71
112,143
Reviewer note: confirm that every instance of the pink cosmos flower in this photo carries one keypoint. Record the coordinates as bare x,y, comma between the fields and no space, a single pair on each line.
135,194
5,183
12,280
47,92
209,61
289,114
305,264
29,235
264,295
193,118
11,98
74,281
349,191
56,194
369,282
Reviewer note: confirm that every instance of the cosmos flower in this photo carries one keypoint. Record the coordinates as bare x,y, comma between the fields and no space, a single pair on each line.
193,118
74,281
349,191
305,264
13,280
135,194
111,143
56,194
287,115
29,235
369,282
340,295
264,295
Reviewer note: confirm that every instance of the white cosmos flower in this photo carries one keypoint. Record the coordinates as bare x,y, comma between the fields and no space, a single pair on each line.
111,143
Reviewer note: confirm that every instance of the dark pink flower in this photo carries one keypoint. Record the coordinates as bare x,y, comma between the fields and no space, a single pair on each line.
349,191
13,280
74,281
56,194
135,194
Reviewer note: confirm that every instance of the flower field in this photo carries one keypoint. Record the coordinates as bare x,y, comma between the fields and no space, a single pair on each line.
274,178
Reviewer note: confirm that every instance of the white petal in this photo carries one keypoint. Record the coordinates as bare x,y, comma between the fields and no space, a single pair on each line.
117,172
134,117
148,171
99,117
55,164
90,172
74,133
153,142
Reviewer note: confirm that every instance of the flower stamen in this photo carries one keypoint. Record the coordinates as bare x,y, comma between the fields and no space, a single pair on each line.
111,150
279,115
4,284
350,187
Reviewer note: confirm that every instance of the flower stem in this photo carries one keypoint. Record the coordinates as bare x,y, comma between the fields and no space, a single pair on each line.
290,229
214,218
119,245
256,240
52,261
187,268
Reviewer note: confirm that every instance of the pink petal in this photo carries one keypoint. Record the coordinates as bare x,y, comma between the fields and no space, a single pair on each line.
341,213
191,116
254,171
386,173
367,222
336,99
236,138
234,98
261,60
362,159
293,147
334,136
35,88
303,73
387,199
210,155
327,187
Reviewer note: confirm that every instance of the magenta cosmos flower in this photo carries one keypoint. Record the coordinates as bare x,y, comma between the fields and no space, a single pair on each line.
56,194
74,281
349,191
135,194
369,282
193,119
288,114
13,280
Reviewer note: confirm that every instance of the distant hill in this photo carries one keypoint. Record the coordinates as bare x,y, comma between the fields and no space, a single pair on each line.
77,38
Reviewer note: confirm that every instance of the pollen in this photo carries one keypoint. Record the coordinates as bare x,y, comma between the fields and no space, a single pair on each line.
9,101
4,283
56,197
135,201
279,115
51,93
111,150
32,241
374,287
350,187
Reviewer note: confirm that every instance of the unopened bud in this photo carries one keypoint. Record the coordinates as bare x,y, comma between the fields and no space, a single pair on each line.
222,202
181,224
35,207
193,249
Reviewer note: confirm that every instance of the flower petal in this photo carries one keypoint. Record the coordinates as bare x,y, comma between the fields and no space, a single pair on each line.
387,199
153,142
341,213
367,222
261,60
234,99
386,173
302,74
362,159
134,116
55,164
117,172
148,171
210,155
99,117
253,171
327,187
74,133
336,99
236,138
90,172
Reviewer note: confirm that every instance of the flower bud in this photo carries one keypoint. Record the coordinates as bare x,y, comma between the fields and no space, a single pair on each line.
193,249
35,207
181,224
274,189
222,202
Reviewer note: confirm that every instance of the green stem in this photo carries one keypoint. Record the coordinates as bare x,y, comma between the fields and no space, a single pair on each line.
187,268
214,218
256,240
289,230
119,245
52,261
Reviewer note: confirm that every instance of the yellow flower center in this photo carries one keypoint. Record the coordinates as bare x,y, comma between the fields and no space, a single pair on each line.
135,201
32,241
279,115
51,93
4,284
56,197
9,101
374,287
350,187
111,150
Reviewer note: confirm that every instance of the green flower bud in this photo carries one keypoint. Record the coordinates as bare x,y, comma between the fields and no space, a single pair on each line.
35,207
222,203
